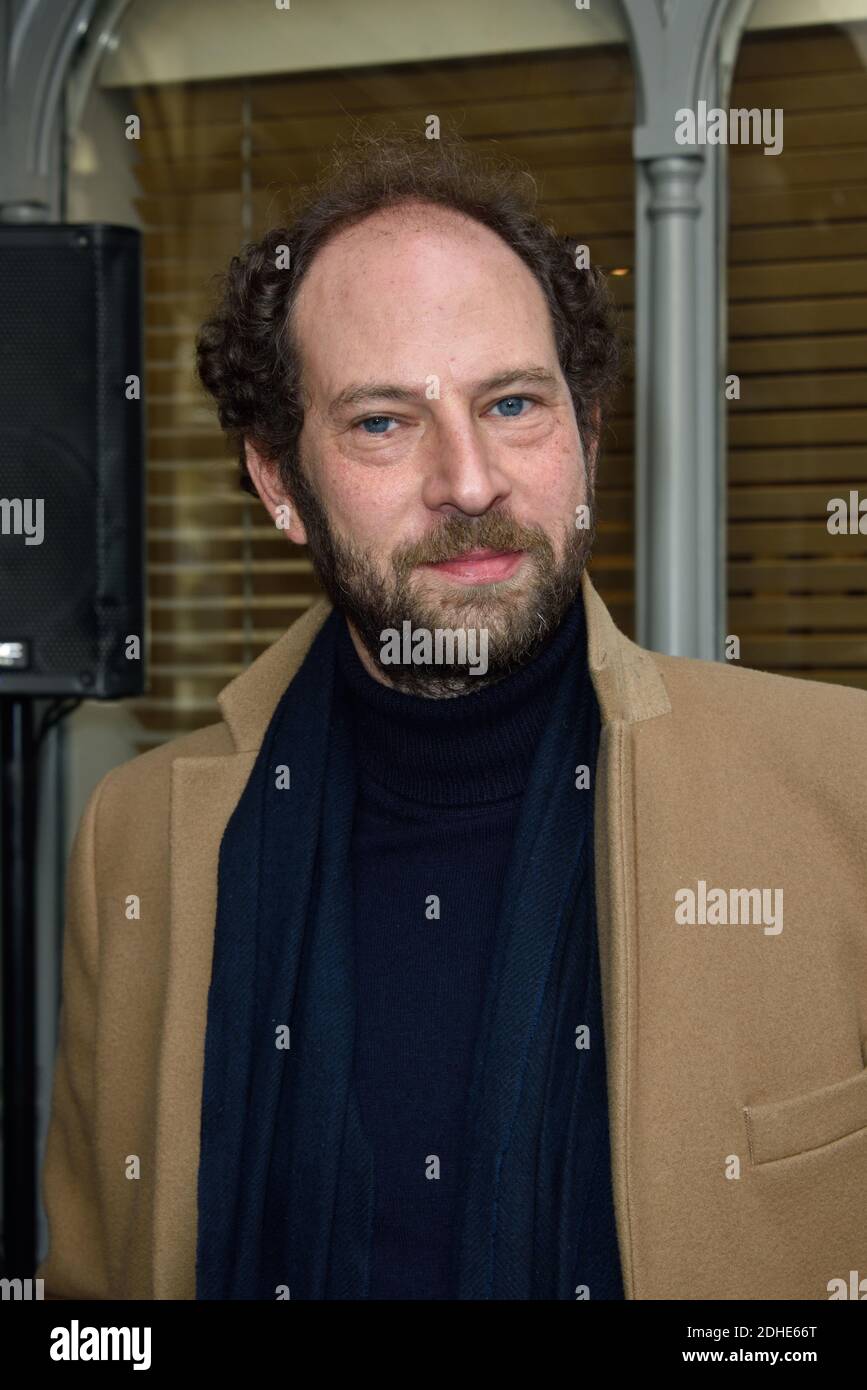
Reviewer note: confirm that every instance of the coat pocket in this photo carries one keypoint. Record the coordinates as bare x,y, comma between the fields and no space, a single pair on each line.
785,1128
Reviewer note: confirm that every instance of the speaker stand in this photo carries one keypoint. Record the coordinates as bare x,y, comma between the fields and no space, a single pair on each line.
18,785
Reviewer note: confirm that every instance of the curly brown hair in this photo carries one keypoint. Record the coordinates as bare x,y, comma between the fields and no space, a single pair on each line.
247,355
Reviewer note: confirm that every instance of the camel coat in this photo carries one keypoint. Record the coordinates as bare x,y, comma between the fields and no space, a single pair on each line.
736,1052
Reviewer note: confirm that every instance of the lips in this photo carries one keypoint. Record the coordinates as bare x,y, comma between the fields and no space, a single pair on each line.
481,566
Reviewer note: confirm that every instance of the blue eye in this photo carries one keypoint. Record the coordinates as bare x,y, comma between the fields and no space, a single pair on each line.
510,402
376,422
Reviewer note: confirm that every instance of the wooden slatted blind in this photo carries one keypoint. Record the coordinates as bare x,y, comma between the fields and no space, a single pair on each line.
215,160
798,342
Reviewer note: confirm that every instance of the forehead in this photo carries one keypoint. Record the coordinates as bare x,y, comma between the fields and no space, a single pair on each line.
415,290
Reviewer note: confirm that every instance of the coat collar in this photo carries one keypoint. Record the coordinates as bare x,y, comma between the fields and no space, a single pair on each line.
628,684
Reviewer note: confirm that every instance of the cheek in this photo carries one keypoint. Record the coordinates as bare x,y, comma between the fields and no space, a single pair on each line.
367,506
556,484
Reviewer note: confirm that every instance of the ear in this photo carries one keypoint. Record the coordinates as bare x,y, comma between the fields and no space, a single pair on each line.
265,476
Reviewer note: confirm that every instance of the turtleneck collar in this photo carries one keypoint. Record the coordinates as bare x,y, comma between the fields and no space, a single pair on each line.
466,750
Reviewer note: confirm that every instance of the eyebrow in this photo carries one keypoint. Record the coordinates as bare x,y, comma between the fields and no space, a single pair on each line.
386,391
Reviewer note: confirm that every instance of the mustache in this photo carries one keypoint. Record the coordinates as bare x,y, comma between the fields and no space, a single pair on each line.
460,534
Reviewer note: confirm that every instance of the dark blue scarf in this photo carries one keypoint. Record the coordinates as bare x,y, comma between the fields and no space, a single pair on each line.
286,1181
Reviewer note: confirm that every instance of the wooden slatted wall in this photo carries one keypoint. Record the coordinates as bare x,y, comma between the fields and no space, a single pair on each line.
798,342
214,161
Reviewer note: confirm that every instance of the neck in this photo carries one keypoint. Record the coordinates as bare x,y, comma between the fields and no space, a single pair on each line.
469,750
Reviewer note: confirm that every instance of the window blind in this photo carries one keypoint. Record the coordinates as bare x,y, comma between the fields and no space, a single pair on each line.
798,342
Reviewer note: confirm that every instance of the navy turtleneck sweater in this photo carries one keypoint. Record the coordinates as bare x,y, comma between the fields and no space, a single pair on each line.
440,783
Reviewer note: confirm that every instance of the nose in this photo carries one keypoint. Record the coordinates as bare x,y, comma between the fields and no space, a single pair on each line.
462,471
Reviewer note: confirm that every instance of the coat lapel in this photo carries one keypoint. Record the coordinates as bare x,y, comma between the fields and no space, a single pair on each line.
629,689
204,793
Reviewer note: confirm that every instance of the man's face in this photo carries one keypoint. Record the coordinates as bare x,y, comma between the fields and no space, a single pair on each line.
438,424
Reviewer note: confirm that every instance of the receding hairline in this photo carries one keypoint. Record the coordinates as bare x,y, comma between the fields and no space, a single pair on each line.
406,211
403,207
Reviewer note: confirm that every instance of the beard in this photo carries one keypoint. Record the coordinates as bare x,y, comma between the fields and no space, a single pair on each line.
519,615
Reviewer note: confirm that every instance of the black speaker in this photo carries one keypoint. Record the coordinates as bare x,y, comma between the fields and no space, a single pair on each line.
72,500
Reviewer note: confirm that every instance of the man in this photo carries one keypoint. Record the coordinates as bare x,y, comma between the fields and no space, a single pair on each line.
481,954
